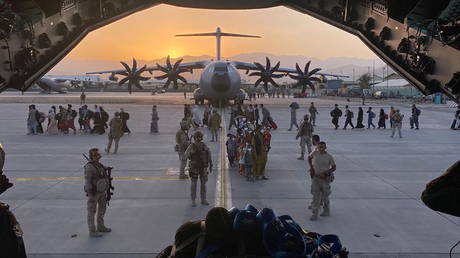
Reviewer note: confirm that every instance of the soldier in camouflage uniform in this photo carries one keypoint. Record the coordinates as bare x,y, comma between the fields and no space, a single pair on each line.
200,165
11,241
305,134
96,186
214,124
182,143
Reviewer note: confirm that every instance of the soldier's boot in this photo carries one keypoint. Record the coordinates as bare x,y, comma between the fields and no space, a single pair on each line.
301,157
204,202
325,213
94,234
314,217
193,203
102,228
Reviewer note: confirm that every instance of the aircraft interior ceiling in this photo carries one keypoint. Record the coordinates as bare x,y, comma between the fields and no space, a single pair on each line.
420,39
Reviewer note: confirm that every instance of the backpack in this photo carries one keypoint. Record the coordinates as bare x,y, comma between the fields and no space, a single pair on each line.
351,114
104,116
372,115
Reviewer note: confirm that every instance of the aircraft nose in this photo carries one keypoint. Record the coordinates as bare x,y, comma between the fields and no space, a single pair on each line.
220,82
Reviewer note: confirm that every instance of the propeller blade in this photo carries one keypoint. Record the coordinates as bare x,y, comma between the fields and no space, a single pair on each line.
128,69
259,66
122,81
134,65
313,71
268,63
176,65
167,83
258,82
123,73
312,87
295,77
129,87
179,77
307,67
150,71
277,75
141,70
247,71
138,85
255,74
275,67
315,79
163,69
162,77
175,84
168,63
297,67
273,82
142,78
266,86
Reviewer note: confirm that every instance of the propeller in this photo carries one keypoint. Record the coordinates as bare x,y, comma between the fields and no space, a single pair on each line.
75,83
266,74
172,72
133,76
304,78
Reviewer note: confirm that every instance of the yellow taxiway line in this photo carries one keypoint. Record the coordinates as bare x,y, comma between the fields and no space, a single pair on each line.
116,178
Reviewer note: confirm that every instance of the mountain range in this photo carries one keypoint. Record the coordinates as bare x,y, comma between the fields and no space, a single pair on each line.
353,67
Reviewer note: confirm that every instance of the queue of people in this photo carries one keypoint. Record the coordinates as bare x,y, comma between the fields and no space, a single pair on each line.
394,116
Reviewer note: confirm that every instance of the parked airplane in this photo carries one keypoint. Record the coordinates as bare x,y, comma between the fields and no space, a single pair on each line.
220,80
60,83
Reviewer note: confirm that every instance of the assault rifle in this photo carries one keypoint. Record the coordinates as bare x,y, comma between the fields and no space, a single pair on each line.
111,188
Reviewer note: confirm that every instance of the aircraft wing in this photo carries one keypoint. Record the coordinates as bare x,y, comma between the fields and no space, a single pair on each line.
184,66
250,67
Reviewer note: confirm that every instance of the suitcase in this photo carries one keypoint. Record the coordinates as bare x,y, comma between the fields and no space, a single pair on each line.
273,125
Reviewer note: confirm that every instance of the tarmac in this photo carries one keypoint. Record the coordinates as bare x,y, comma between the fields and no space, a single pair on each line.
375,203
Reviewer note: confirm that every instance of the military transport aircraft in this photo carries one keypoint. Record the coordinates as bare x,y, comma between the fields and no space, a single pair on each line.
220,80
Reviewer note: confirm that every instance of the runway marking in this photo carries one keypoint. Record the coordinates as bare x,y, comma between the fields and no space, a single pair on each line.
116,178
223,184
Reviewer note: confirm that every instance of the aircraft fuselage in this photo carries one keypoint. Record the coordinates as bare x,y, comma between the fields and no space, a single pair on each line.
220,80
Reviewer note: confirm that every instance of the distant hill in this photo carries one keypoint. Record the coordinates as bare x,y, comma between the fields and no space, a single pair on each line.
339,65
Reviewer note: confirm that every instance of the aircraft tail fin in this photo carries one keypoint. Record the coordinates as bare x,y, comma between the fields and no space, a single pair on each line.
218,34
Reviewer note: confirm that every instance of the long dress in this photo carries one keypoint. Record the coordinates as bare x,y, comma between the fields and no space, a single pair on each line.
359,122
154,123
381,122
53,125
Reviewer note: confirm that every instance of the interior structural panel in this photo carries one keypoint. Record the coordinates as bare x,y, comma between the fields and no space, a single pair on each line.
420,39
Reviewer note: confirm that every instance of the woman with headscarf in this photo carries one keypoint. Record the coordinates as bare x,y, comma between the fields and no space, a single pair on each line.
260,148
52,122
359,122
154,123
196,120
381,122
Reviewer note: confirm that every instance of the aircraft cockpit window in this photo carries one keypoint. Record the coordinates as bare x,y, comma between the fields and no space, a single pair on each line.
220,69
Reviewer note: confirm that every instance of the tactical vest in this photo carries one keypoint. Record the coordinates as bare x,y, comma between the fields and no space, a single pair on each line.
198,157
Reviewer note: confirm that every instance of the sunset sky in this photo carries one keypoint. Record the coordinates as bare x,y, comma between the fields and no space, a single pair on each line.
150,35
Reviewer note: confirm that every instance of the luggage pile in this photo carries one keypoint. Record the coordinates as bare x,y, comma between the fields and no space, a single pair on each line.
250,233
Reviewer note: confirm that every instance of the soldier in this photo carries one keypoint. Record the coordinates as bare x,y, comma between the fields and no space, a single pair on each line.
397,123
214,124
200,164
11,241
182,143
305,133
313,112
96,186
115,132
322,167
